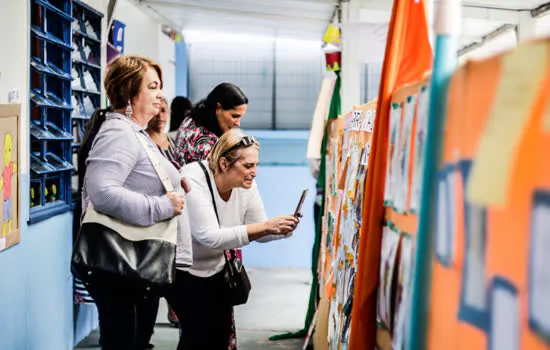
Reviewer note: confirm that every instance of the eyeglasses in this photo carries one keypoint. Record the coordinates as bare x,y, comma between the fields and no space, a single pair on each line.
245,141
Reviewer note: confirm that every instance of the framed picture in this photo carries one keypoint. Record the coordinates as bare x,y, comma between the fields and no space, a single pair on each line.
10,181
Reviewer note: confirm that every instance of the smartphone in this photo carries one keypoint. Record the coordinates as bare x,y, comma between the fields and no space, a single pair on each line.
301,202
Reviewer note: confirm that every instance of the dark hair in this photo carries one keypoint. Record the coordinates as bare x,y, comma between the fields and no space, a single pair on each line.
92,128
179,108
227,95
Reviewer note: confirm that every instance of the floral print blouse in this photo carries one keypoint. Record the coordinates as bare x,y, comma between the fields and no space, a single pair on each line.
193,142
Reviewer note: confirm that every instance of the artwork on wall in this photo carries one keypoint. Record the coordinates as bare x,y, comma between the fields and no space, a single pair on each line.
10,180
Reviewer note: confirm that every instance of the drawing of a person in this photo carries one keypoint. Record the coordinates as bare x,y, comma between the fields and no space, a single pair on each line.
10,169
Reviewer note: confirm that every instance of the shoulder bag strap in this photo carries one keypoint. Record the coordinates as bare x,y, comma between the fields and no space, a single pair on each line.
215,207
164,178
147,146
211,191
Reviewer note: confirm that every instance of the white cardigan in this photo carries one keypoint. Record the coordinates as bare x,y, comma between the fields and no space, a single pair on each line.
209,240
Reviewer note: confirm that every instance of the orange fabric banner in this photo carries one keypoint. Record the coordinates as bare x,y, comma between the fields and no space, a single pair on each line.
408,57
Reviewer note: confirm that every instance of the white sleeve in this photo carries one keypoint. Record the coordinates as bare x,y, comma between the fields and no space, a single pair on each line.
184,257
203,222
255,213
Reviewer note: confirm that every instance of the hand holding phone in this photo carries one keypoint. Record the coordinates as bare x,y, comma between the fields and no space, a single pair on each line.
301,202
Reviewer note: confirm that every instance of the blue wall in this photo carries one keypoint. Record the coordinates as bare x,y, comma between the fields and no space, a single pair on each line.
283,173
182,69
36,309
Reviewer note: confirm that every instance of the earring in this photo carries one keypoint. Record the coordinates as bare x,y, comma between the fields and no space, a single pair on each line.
129,110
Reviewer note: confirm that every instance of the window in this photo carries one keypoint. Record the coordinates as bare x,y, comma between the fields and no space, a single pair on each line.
280,78
370,80
56,96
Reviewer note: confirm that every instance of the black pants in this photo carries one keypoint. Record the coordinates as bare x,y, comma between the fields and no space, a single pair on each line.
126,317
203,310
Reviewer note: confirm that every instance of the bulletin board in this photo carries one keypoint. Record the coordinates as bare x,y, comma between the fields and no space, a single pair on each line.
491,267
406,148
10,181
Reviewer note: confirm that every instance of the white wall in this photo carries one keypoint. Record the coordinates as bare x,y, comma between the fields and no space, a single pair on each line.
14,62
167,60
142,32
143,37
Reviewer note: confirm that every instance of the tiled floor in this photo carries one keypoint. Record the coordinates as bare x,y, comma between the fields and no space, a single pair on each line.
277,304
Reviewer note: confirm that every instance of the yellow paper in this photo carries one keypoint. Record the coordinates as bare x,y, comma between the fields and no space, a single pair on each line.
332,35
522,73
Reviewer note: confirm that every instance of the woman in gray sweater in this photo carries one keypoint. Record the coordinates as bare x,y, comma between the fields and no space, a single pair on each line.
121,182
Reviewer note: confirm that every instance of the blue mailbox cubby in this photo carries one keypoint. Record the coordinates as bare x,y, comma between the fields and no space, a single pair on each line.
65,76
86,75
50,108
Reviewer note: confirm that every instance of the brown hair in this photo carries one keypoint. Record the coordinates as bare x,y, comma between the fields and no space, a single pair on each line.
124,78
228,140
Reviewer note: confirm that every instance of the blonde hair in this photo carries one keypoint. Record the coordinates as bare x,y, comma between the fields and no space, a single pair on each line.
124,77
227,142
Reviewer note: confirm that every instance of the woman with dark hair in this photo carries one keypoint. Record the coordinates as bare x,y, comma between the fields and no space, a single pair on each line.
220,111
179,108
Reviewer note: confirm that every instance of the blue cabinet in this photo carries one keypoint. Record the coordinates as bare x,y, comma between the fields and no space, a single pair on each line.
86,78
65,72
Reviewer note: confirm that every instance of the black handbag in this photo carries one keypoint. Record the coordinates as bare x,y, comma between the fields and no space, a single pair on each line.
236,278
126,255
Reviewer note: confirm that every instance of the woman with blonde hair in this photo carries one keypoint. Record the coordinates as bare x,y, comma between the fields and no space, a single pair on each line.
123,181
204,124
225,212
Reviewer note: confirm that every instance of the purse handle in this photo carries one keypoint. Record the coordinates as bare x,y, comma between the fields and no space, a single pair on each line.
214,204
164,178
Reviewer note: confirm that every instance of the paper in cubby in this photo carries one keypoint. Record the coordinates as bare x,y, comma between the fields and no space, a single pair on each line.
78,107
75,46
75,133
89,106
89,81
90,29
76,83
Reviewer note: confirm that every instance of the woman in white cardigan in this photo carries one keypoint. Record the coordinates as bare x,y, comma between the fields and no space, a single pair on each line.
199,295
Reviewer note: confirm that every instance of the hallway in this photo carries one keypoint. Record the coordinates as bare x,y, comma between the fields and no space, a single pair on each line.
277,304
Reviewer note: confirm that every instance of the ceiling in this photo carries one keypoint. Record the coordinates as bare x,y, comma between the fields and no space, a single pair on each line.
308,19
299,19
